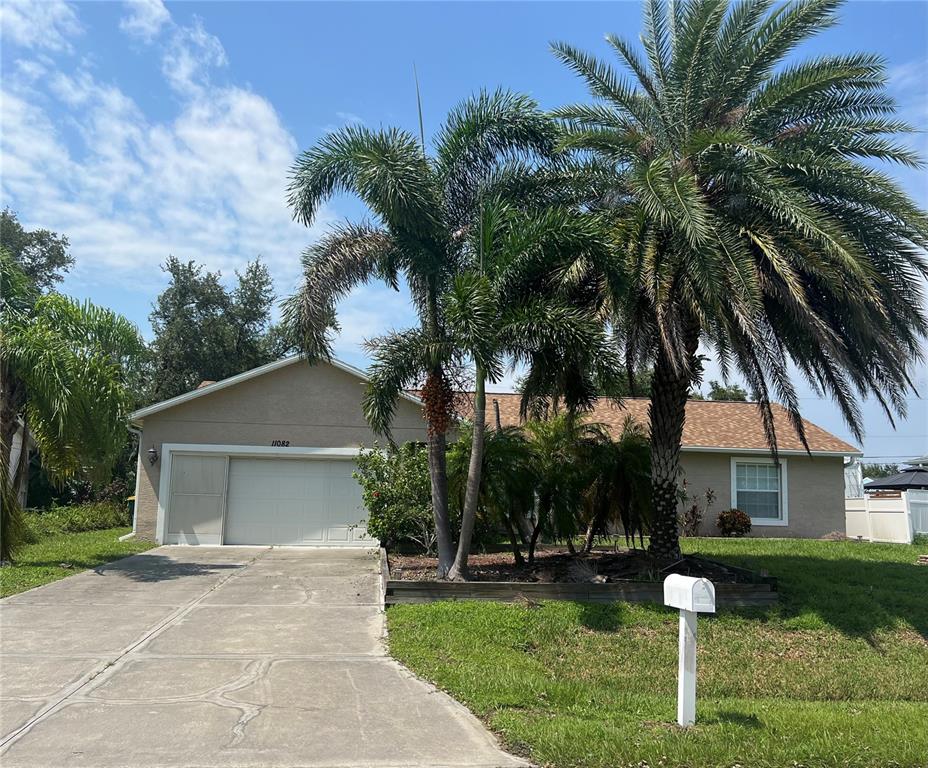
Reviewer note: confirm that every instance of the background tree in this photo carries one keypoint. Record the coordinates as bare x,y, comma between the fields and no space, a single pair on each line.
63,381
424,207
750,217
720,391
204,331
562,447
876,470
42,255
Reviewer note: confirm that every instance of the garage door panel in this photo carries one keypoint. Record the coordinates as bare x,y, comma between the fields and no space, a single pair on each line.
196,514
198,474
197,499
292,501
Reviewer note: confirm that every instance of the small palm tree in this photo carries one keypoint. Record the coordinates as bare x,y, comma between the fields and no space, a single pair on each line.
620,487
63,375
561,449
508,480
424,206
750,217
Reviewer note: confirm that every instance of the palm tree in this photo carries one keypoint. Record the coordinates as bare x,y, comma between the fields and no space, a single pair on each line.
750,217
518,306
424,207
62,381
620,487
507,483
561,448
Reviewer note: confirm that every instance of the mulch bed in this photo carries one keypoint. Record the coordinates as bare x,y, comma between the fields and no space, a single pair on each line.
554,565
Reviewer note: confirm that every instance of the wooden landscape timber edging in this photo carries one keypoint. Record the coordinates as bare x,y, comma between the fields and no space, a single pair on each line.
398,592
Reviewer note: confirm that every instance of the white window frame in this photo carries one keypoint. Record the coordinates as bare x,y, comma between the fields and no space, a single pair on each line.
783,520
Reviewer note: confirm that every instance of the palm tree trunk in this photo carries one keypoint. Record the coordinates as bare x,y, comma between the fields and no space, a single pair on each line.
544,512
11,401
438,475
669,389
474,471
514,542
21,474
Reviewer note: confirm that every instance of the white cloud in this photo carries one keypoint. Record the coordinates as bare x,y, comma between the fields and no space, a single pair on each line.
912,75
81,157
191,53
39,24
144,19
349,117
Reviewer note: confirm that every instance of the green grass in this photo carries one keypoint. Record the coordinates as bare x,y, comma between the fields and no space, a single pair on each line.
835,675
40,563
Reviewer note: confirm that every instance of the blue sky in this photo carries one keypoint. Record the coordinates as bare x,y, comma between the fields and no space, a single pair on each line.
146,129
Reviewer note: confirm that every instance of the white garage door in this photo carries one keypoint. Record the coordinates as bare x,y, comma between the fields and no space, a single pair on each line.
294,501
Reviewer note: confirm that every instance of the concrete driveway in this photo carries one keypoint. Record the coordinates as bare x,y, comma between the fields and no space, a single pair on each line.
220,657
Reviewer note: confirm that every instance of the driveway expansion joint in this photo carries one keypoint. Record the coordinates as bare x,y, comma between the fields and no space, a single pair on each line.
276,664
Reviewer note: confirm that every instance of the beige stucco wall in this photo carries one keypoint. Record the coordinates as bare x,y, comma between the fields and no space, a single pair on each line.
315,406
815,488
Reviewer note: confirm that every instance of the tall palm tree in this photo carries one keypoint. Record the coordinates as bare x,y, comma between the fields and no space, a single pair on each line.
424,207
517,305
63,377
750,217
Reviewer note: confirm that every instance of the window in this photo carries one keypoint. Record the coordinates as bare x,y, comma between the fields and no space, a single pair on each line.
758,488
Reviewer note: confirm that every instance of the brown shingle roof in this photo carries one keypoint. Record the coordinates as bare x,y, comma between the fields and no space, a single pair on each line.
709,424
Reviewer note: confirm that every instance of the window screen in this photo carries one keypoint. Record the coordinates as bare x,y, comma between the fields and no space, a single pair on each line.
757,488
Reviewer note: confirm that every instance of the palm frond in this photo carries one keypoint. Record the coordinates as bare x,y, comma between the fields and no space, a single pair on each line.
347,256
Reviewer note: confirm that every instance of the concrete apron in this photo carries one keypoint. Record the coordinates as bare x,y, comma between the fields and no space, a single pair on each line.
222,656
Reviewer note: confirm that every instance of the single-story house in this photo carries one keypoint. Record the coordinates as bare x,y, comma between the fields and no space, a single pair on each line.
266,457
724,448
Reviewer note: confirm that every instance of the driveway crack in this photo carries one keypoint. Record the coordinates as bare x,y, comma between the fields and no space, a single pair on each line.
108,666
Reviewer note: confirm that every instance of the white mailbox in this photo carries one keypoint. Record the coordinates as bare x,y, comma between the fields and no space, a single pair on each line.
689,593
691,596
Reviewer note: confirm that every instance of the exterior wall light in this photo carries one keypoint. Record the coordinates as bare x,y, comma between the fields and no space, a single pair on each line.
152,455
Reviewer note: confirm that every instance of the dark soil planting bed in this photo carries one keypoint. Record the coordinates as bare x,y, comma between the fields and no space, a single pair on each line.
601,576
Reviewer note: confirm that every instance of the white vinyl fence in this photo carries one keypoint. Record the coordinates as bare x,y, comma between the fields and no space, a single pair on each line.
893,516
918,510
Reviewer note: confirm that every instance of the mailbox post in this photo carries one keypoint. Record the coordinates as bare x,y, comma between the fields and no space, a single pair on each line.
690,596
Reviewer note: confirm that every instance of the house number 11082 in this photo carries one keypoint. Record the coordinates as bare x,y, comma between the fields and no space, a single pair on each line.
280,443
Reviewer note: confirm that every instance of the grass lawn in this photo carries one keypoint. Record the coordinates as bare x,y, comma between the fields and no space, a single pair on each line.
835,675
40,563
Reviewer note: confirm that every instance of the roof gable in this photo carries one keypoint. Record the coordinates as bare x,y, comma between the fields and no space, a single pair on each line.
207,388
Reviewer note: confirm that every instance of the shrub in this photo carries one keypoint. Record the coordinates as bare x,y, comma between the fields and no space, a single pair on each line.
397,493
733,522
691,518
92,516
117,491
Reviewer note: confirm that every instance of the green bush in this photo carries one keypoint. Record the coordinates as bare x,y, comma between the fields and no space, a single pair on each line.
733,522
92,516
397,493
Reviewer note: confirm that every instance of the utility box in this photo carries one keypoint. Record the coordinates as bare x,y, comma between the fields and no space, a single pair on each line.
688,593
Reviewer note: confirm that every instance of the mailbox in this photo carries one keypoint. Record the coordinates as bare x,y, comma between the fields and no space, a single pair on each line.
689,593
